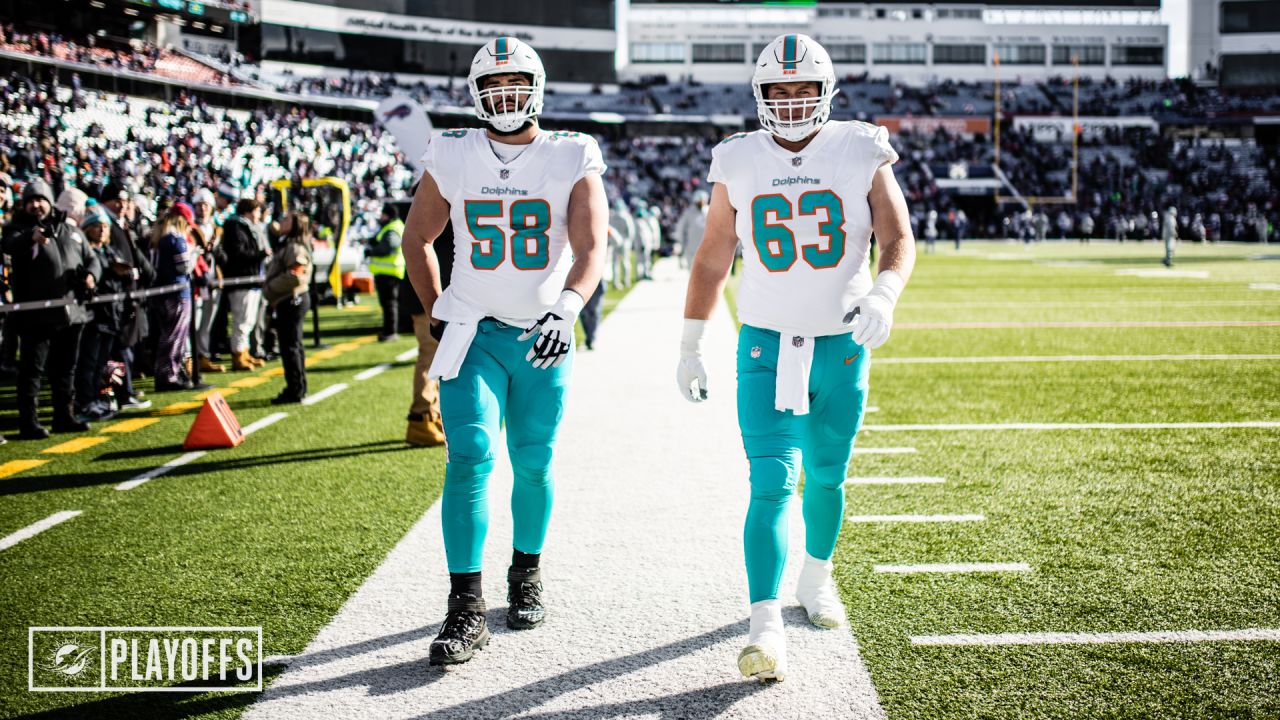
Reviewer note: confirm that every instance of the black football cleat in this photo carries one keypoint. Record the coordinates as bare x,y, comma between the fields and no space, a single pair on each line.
524,598
463,633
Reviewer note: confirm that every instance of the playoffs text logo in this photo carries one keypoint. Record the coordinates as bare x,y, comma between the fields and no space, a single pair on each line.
144,659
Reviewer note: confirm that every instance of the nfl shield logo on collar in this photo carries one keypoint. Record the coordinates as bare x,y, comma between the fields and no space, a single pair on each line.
504,173
797,341
795,161
755,352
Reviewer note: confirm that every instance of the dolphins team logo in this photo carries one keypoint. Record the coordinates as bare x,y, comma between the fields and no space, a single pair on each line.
69,659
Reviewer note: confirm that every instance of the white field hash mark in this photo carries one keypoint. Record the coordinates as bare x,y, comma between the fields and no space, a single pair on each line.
911,480
954,568
915,518
36,528
1065,358
373,371
156,472
1078,426
407,355
324,394
1159,636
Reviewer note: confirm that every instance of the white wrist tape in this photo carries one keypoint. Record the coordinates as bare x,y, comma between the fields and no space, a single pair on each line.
568,306
889,285
691,340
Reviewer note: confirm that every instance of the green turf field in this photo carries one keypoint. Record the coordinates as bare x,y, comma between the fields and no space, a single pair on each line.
1124,530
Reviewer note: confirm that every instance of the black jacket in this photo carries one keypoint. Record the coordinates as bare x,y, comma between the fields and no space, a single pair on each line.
242,250
48,271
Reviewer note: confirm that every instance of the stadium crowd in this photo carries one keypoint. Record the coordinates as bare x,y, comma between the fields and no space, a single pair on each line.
135,194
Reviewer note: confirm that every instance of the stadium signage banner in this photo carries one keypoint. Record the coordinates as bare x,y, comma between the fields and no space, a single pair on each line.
1052,128
144,659
410,125
958,125
368,22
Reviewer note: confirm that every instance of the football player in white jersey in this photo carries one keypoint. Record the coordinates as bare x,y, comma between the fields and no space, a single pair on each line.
804,194
529,220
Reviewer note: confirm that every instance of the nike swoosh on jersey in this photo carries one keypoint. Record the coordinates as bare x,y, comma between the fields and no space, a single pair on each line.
851,359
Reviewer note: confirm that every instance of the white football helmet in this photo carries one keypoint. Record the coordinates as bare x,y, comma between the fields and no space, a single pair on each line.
507,55
794,58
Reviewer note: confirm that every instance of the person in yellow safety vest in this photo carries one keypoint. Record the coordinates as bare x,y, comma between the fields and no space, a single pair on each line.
386,264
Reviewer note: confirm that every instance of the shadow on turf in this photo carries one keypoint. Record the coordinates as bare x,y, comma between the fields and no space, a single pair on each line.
18,486
416,673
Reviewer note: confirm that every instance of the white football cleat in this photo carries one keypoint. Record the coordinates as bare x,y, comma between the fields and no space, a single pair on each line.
765,656
817,593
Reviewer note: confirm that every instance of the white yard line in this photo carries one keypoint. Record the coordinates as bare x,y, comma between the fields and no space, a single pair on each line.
915,518
1086,324
324,394
1064,358
954,568
624,521
156,472
1160,273
36,528
1159,636
373,371
260,423
1076,426
922,480
1264,286
407,355
883,450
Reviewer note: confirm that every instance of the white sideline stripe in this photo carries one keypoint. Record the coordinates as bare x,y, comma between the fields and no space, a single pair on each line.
922,480
1078,426
1159,636
36,528
373,371
1158,273
260,423
1264,286
872,408
915,518
1064,358
954,568
407,355
156,472
325,393
883,450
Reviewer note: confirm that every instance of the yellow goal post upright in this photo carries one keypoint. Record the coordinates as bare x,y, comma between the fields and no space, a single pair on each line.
1076,129
284,185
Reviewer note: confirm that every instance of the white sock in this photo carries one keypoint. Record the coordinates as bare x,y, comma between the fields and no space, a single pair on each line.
817,593
814,573
766,622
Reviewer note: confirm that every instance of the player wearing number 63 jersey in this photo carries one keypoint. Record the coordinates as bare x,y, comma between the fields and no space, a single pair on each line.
804,196
529,221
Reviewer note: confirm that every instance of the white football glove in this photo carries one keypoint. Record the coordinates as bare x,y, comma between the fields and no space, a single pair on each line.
691,375
554,331
871,316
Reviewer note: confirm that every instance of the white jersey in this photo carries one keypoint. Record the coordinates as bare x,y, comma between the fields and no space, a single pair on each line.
510,220
804,223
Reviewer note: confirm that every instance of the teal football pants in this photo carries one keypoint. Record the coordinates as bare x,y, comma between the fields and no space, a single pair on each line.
497,384
778,444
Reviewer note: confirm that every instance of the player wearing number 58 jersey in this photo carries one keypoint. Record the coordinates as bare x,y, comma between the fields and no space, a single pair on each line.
529,221
803,195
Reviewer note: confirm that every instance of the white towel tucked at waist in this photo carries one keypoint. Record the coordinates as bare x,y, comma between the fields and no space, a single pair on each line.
795,359
463,320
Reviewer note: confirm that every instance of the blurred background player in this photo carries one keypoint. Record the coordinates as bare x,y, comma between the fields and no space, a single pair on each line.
810,315
690,227
535,210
